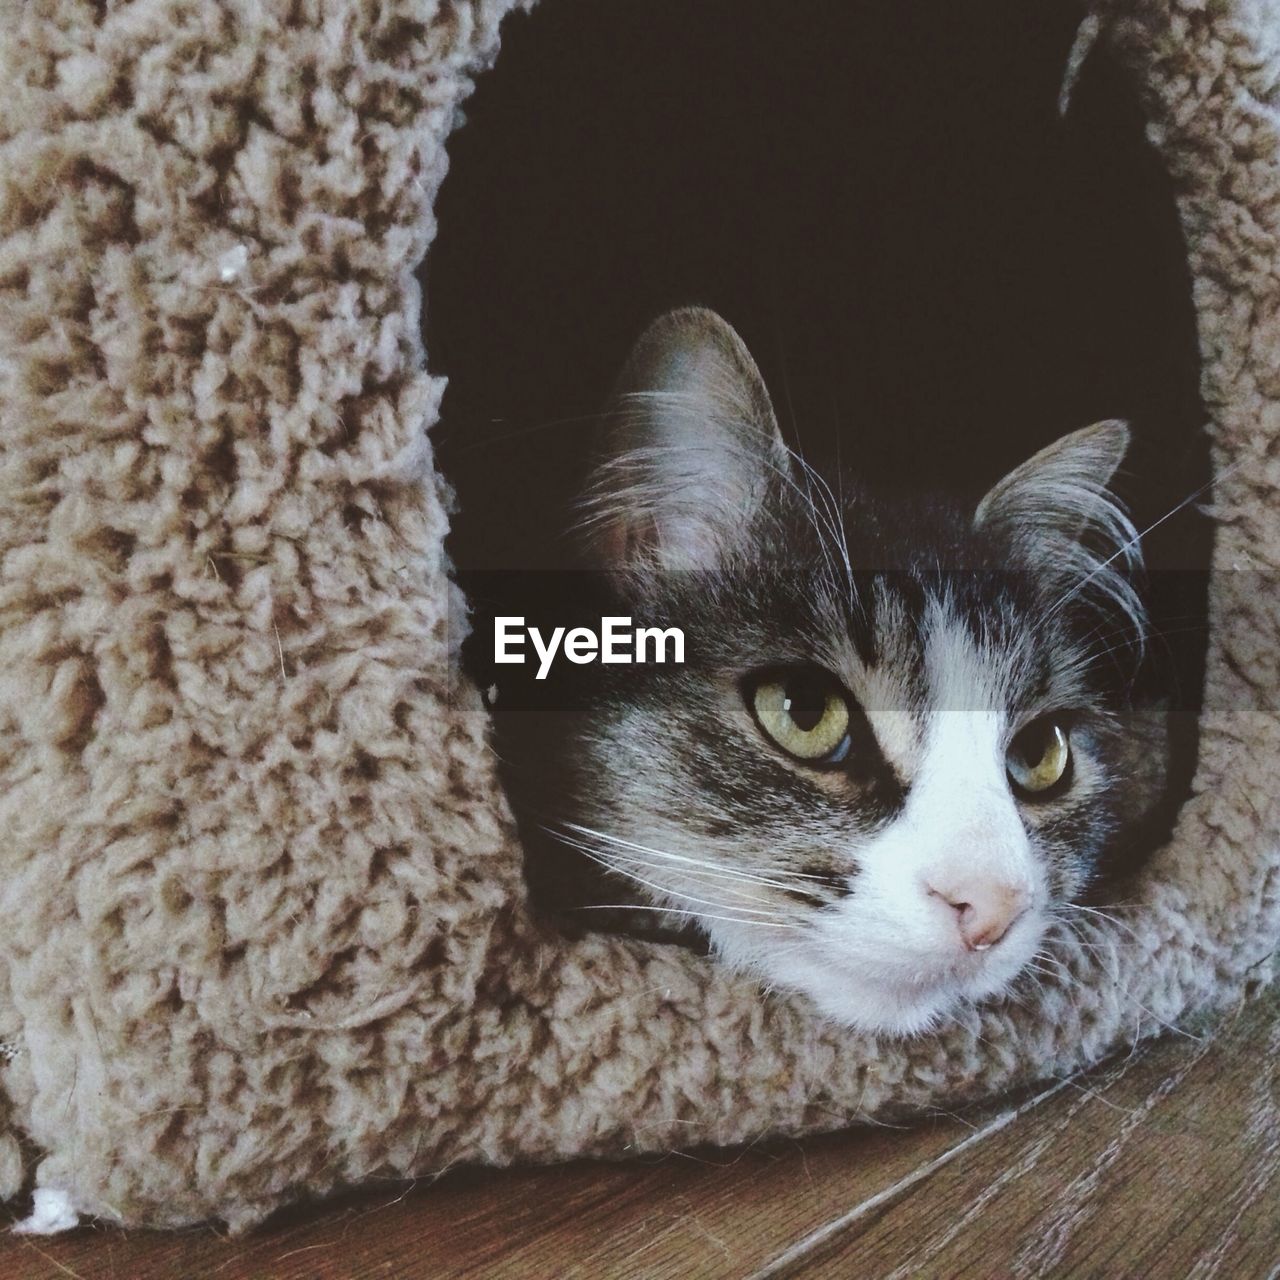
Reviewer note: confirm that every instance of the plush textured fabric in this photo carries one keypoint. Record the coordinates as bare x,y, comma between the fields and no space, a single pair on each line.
262,921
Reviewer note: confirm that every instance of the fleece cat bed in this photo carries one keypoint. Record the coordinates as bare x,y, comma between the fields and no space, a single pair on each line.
263,924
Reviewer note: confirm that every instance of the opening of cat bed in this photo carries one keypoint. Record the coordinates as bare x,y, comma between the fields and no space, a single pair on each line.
932,305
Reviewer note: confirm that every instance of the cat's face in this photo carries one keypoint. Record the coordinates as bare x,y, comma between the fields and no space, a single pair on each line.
899,744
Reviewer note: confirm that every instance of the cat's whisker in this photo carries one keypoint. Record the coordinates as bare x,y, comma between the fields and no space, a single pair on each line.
747,915
1048,958
678,911
1106,631
617,860
1126,993
833,513
1097,655
739,884
1101,953
757,875
710,883
744,915
735,885
1101,915
1128,548
1032,967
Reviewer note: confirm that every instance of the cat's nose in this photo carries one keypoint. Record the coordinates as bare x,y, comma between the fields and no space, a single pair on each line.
985,908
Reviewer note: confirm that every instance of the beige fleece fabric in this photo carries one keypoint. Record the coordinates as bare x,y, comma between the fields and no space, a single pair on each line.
263,929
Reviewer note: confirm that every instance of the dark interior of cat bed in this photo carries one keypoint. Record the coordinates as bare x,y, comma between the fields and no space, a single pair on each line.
933,303
265,924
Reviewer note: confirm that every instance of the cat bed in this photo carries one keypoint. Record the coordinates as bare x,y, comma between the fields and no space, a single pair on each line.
263,924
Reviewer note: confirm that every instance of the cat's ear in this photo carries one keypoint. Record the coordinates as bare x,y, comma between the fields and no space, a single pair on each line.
1061,493
1058,511
690,450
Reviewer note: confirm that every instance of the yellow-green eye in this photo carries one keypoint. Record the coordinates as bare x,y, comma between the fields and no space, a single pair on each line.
1039,756
805,712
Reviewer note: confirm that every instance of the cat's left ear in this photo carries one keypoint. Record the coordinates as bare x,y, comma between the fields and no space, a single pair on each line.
690,453
1058,513
1062,493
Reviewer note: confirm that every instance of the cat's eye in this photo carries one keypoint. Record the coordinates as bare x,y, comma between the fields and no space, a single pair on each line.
1039,757
805,711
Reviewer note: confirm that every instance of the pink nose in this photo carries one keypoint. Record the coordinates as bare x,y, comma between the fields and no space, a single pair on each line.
985,909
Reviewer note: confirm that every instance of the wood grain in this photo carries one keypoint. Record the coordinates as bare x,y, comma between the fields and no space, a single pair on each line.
1165,1163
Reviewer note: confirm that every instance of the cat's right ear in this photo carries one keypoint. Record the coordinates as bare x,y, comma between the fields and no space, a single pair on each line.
690,450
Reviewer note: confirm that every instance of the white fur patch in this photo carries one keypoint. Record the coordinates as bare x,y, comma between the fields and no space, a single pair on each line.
890,958
51,1212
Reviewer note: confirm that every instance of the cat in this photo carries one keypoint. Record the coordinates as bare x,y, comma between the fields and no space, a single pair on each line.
906,738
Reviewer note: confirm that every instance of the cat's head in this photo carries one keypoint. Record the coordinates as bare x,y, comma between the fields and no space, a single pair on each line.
901,742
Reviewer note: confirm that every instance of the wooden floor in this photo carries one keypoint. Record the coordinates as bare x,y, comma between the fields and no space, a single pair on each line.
1166,1164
